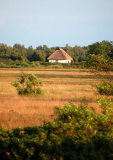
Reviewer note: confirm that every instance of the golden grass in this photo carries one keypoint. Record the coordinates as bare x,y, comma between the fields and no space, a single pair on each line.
21,111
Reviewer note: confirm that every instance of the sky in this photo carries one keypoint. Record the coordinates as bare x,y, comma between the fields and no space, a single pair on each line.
55,22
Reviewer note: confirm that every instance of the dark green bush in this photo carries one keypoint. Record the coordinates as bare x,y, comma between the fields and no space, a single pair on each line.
77,133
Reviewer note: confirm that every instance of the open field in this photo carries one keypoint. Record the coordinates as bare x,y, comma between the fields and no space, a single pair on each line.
59,86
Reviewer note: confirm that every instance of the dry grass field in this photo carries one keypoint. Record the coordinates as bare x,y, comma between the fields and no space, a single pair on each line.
59,86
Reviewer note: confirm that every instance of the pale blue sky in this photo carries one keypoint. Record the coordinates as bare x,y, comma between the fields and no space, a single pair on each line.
55,22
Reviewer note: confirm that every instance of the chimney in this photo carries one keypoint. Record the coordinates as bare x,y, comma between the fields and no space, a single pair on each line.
57,48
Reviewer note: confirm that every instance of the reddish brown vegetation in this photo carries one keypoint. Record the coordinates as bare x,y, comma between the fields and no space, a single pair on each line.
20,111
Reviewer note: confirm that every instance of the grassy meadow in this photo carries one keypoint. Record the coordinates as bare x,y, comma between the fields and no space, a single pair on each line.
59,86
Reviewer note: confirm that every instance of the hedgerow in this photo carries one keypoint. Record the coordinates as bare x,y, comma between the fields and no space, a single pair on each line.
77,133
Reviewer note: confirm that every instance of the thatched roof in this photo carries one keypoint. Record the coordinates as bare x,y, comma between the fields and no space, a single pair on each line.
59,54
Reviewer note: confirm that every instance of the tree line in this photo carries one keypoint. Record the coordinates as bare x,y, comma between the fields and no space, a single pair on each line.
79,54
41,53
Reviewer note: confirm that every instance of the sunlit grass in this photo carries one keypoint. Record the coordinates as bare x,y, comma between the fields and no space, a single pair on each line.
59,87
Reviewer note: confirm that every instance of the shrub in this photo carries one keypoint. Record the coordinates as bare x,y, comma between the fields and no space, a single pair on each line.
28,85
102,65
9,61
33,65
77,133
2,65
37,63
99,62
38,90
105,87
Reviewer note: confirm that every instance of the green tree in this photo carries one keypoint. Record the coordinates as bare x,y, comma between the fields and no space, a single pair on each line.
38,55
39,48
29,53
104,47
99,63
101,66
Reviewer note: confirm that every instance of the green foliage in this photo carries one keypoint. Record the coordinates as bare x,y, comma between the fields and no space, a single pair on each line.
2,65
99,62
10,61
105,87
41,53
100,56
84,100
39,90
77,133
102,65
28,85
101,48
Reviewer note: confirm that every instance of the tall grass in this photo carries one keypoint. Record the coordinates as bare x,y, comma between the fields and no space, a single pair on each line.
59,86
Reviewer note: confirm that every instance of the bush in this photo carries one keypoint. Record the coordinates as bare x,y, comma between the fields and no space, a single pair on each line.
33,65
39,90
99,62
28,85
77,133
25,64
105,87
2,65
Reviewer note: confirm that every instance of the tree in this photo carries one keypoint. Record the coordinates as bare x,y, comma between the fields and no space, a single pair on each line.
29,53
99,63
45,48
39,48
38,55
104,47
102,66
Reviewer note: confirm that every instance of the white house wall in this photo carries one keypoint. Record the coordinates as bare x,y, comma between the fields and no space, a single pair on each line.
60,61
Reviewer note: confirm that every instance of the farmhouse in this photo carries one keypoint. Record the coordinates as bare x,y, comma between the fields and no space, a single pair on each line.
59,56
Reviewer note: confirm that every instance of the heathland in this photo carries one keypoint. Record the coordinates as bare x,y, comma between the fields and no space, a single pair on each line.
71,118
59,86
79,127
